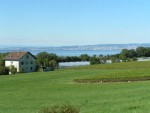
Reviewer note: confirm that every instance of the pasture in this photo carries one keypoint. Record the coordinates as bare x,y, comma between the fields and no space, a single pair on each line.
30,92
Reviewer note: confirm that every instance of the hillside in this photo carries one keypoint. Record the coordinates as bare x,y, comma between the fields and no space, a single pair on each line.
30,92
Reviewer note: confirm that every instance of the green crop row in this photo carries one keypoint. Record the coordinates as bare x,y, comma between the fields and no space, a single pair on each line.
122,65
131,71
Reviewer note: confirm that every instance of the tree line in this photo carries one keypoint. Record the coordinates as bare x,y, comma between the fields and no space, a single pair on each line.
126,55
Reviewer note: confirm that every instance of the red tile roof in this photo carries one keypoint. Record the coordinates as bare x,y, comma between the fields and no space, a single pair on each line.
16,55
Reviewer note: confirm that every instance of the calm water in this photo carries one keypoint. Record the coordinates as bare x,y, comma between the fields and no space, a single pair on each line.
75,53
68,64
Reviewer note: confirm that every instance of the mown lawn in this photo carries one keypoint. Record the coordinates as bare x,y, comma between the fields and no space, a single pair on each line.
29,92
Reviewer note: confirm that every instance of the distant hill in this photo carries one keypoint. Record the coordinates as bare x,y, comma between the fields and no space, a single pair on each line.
86,47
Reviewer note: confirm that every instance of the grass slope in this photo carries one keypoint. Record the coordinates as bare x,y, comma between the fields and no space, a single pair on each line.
28,93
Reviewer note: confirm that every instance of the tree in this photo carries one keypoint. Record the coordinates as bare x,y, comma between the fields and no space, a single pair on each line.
94,60
2,63
132,53
84,57
43,58
53,64
141,51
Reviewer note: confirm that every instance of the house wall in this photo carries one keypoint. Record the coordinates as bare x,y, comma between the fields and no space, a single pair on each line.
27,63
14,63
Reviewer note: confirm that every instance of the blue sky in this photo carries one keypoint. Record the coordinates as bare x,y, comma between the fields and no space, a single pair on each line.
74,22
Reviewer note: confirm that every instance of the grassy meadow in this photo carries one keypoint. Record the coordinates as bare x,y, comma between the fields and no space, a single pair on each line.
30,92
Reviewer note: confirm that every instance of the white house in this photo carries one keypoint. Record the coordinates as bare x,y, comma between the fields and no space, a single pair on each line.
24,61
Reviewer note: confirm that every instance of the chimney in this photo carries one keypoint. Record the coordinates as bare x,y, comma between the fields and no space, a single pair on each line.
10,56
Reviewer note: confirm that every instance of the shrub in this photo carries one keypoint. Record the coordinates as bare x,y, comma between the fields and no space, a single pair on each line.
21,70
13,70
64,108
4,70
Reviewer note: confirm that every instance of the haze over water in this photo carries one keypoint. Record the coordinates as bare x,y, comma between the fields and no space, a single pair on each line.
73,52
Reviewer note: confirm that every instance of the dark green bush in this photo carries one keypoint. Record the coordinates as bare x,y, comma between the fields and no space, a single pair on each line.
4,70
64,108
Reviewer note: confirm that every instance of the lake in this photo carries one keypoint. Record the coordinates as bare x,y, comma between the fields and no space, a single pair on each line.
72,52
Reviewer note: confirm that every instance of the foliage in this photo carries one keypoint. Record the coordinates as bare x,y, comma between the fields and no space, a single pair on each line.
84,57
125,55
64,108
53,64
45,60
2,62
21,71
13,70
141,51
4,70
2,55
94,60
68,58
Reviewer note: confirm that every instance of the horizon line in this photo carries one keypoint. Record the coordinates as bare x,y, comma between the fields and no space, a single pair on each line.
69,45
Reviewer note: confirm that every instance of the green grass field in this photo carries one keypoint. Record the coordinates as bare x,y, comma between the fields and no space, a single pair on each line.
30,92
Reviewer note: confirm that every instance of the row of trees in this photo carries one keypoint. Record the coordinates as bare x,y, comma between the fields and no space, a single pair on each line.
125,56
51,60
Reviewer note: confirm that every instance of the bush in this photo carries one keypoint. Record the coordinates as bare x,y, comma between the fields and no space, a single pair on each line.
4,70
21,71
13,70
60,109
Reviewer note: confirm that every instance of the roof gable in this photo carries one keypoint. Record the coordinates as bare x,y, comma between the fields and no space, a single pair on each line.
16,55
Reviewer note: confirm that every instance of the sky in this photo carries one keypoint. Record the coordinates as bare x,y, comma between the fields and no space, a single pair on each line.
74,22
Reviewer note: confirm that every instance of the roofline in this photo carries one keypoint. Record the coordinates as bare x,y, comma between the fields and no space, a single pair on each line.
30,54
20,58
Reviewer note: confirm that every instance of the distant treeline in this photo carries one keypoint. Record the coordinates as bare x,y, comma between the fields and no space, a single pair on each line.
125,55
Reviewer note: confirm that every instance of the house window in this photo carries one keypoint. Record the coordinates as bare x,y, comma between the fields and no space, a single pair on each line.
31,62
30,68
22,63
27,56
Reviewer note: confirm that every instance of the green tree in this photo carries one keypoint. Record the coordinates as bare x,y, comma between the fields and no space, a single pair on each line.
84,57
53,64
43,58
132,53
94,60
141,51
2,62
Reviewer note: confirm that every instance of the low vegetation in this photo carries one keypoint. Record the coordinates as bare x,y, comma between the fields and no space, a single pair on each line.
63,108
4,70
118,72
